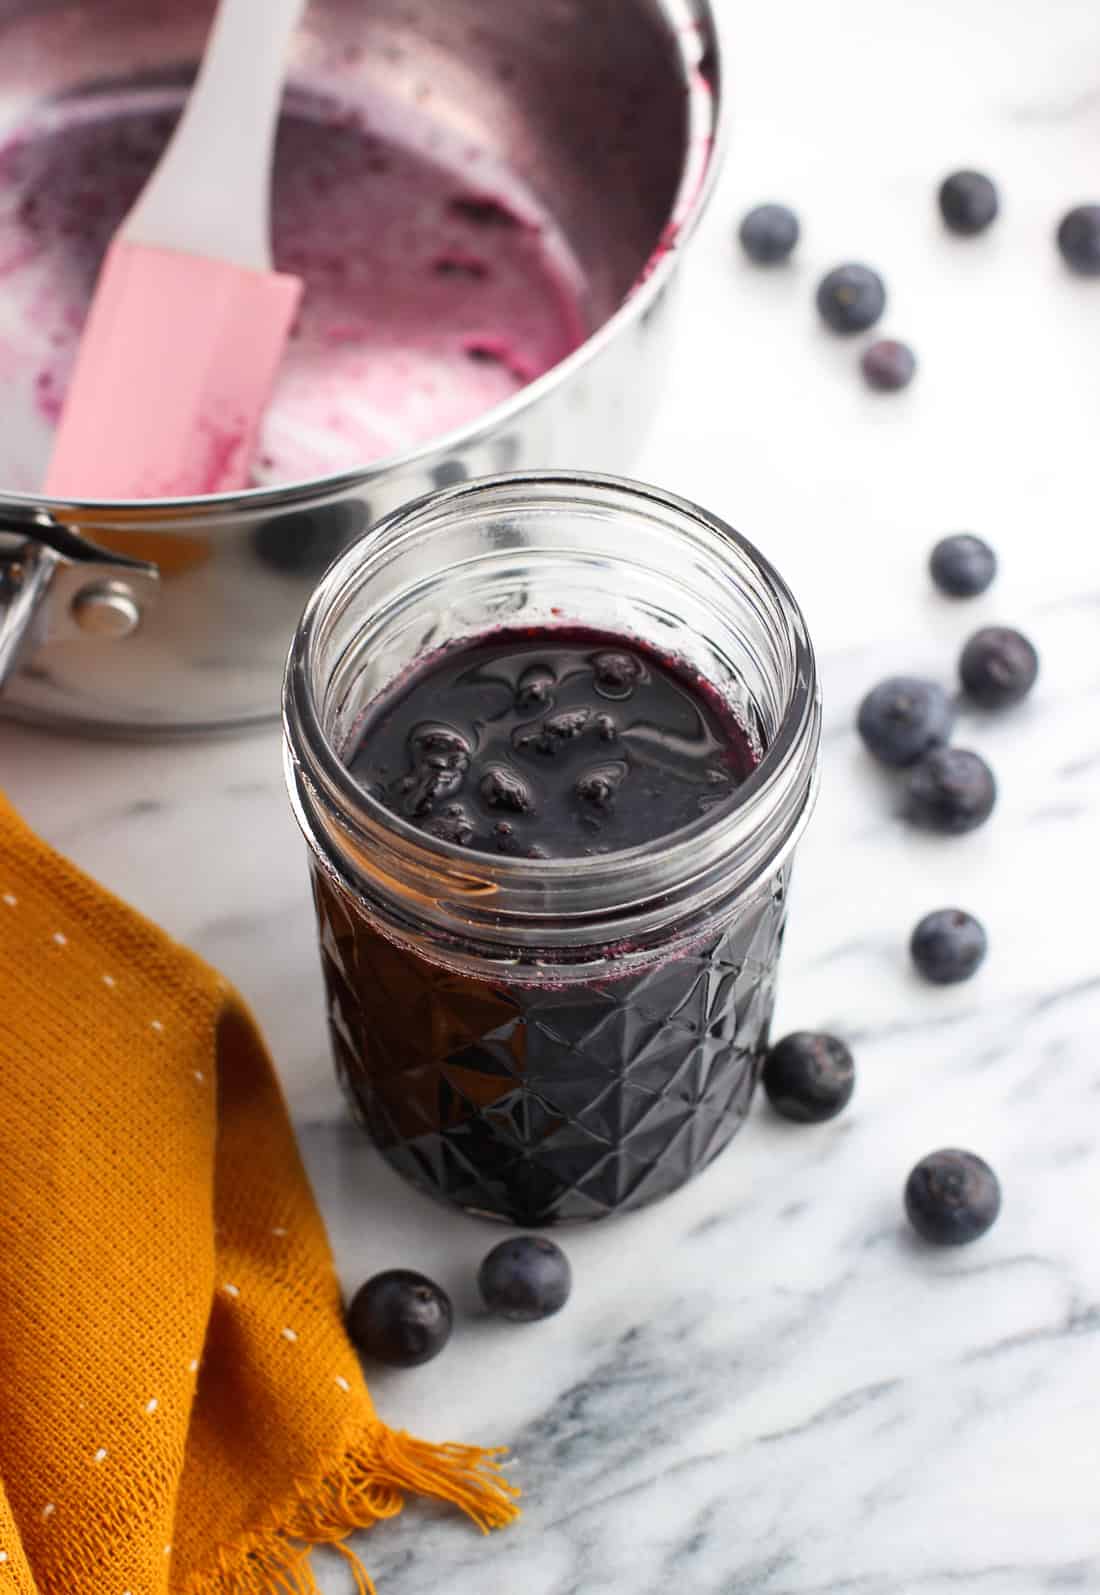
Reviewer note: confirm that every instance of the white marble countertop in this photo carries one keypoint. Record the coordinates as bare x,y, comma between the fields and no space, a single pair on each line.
765,1385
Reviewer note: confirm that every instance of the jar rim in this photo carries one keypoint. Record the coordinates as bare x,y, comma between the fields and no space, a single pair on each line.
788,761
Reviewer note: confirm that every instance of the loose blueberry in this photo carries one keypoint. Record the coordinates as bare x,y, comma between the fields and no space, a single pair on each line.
888,365
525,1279
504,789
948,945
903,718
962,565
851,298
998,667
950,790
952,1197
968,202
1079,239
809,1076
401,1318
768,233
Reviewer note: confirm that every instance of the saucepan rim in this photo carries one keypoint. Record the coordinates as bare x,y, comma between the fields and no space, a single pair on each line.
693,20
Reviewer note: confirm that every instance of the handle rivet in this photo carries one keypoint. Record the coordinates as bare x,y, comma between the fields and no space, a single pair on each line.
109,609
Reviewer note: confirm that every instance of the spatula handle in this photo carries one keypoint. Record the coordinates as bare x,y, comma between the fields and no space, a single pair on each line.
211,191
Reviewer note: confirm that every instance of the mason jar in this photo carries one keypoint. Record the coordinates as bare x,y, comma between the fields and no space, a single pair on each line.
548,1039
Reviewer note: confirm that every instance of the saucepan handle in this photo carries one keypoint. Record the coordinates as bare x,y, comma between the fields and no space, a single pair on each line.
24,582
56,583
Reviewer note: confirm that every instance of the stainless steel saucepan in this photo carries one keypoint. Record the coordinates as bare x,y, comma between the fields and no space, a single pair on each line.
172,616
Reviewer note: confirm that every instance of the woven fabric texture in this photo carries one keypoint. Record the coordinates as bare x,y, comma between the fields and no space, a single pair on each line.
181,1412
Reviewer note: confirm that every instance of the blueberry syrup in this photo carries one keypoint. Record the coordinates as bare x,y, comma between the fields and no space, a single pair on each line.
557,745
516,1094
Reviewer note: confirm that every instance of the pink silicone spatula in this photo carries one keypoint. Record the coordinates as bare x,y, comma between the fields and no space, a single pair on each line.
186,330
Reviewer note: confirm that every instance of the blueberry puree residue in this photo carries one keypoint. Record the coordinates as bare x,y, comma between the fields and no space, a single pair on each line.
552,744
435,287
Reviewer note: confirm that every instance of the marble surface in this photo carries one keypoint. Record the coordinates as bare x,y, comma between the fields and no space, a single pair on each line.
766,1385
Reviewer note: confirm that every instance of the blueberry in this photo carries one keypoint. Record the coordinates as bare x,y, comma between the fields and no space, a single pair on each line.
968,202
903,718
888,365
438,747
504,789
564,727
851,298
998,667
554,732
1079,239
948,946
454,825
809,1076
440,759
535,689
616,675
525,1279
423,790
768,233
599,786
952,1197
401,1318
951,791
962,565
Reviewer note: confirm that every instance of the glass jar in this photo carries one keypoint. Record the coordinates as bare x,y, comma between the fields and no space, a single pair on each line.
545,1039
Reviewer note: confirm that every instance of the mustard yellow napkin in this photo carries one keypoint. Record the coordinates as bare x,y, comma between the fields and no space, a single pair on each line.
180,1409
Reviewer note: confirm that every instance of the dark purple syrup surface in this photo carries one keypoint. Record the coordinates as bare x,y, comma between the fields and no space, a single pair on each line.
552,744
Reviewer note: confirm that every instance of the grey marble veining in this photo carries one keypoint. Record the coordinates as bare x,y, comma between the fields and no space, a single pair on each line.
766,1386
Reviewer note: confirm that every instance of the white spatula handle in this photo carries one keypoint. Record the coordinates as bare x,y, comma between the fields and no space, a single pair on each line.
211,192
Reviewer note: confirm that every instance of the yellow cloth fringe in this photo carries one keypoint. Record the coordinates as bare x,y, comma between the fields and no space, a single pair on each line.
370,1485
